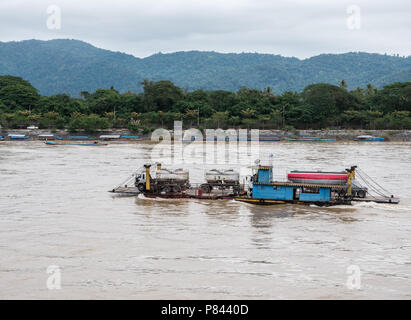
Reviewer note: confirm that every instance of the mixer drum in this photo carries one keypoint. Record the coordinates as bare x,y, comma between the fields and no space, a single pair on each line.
227,176
172,175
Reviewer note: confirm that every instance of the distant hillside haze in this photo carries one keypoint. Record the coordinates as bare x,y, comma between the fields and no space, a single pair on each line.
72,66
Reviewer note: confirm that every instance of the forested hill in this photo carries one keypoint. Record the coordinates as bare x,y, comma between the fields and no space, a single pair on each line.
72,66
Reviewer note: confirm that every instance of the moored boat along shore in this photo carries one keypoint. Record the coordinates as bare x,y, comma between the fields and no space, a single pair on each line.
112,134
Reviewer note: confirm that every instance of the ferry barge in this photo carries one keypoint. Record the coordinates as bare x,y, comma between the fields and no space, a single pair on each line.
301,187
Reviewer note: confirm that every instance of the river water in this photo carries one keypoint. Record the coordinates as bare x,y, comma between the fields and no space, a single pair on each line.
55,211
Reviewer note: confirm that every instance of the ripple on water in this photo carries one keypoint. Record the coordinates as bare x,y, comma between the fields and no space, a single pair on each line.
54,209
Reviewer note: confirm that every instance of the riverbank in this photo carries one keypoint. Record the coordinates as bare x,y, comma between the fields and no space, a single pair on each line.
341,135
390,135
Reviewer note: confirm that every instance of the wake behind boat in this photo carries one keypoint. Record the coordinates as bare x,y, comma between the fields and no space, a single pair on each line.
89,144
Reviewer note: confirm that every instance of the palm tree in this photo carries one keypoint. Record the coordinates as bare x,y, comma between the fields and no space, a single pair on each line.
135,115
219,118
370,90
263,118
248,113
268,92
276,118
191,114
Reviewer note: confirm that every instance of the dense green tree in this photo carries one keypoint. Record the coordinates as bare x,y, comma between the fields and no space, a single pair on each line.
317,106
218,120
62,104
393,97
353,118
16,93
104,100
161,95
328,100
221,100
399,120
89,123
6,81
52,120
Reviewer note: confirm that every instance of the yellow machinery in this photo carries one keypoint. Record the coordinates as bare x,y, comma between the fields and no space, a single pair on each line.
148,177
350,178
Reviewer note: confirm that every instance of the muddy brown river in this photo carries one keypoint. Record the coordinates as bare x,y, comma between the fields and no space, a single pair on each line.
55,212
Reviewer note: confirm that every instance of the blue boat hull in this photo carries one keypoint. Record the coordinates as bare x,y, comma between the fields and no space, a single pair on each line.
76,144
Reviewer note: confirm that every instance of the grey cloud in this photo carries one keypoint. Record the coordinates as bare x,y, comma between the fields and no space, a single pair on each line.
299,28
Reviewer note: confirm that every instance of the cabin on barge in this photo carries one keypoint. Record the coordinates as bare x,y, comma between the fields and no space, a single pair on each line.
308,187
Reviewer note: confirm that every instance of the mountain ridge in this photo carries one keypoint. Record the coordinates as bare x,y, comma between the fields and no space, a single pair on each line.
71,66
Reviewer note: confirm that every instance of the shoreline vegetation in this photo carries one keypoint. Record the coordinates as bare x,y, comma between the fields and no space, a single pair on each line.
320,109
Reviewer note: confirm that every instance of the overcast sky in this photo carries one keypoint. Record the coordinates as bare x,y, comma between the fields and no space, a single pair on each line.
300,28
